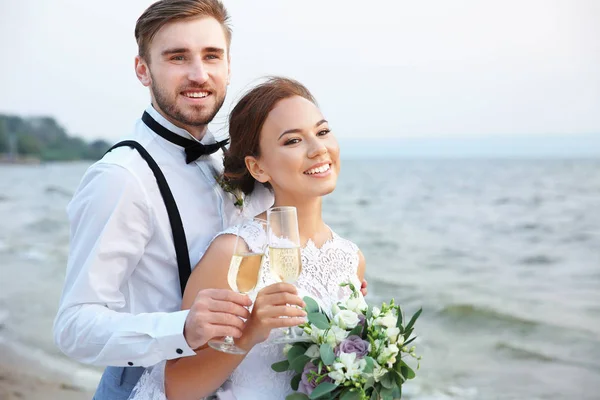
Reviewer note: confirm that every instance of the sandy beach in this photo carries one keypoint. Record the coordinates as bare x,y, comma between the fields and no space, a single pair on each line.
24,378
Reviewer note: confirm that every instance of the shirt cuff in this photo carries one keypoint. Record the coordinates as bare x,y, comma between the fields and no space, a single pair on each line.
170,336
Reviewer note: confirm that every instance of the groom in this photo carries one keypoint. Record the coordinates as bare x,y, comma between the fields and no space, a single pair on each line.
144,213
141,216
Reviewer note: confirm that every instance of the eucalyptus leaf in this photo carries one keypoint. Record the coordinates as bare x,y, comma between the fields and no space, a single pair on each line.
296,381
311,305
281,366
319,320
407,372
388,393
322,389
369,366
299,363
350,394
388,380
297,396
327,354
296,351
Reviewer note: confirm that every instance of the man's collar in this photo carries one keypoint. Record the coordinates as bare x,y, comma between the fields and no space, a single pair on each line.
207,139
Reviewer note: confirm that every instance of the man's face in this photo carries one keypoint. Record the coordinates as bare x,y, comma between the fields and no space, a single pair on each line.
188,71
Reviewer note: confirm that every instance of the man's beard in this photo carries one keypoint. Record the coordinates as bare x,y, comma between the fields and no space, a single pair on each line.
198,116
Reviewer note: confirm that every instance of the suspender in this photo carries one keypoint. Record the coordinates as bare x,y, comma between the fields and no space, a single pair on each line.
181,248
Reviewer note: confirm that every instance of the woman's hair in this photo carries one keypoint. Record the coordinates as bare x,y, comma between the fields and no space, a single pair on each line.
165,11
246,122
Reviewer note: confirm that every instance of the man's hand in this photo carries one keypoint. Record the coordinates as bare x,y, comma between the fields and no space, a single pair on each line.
363,287
215,313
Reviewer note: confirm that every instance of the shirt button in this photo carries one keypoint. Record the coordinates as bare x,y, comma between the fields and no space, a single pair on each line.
130,364
179,351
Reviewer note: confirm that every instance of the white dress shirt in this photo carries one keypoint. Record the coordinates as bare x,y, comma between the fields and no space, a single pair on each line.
121,300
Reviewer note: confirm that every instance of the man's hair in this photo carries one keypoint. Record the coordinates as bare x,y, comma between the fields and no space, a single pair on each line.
165,11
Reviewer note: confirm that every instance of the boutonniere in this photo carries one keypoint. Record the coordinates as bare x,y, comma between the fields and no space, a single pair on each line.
237,194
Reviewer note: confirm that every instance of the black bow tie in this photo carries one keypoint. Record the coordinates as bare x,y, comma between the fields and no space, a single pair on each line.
193,149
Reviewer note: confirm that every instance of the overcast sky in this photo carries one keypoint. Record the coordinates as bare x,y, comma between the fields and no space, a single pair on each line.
379,69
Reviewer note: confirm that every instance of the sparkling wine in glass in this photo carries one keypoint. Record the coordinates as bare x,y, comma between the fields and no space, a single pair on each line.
284,253
242,277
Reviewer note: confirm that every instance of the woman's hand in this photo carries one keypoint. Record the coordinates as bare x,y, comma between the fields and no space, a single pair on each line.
272,302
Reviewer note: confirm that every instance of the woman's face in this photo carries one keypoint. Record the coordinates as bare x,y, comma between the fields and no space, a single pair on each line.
299,154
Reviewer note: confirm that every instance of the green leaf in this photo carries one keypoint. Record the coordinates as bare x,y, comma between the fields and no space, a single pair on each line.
296,381
413,319
407,333
407,371
409,341
311,305
327,354
280,366
296,396
388,393
299,363
319,320
388,380
296,351
399,322
323,388
356,331
350,394
369,313
369,366
399,378
374,395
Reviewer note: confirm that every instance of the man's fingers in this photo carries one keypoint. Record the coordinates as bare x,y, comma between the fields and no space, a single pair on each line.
228,308
226,295
222,331
215,318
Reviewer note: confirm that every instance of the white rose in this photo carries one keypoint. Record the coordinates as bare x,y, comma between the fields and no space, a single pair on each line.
388,320
312,351
335,335
357,304
376,311
346,319
392,334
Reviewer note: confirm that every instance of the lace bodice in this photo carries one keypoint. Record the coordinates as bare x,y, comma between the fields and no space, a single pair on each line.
323,269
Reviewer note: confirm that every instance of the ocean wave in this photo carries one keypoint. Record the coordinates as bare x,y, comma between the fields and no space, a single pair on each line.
479,315
539,259
59,190
521,353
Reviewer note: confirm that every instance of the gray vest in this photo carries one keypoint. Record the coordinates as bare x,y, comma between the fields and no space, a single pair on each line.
118,382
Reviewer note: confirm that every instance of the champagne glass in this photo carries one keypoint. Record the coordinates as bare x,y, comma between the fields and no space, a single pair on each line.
284,253
242,277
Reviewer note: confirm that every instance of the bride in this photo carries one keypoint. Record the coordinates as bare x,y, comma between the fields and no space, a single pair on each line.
280,139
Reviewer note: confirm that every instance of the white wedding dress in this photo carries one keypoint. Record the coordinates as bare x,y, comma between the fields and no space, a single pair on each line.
323,269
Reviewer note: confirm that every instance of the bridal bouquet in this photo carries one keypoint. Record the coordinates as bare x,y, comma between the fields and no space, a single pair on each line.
354,352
